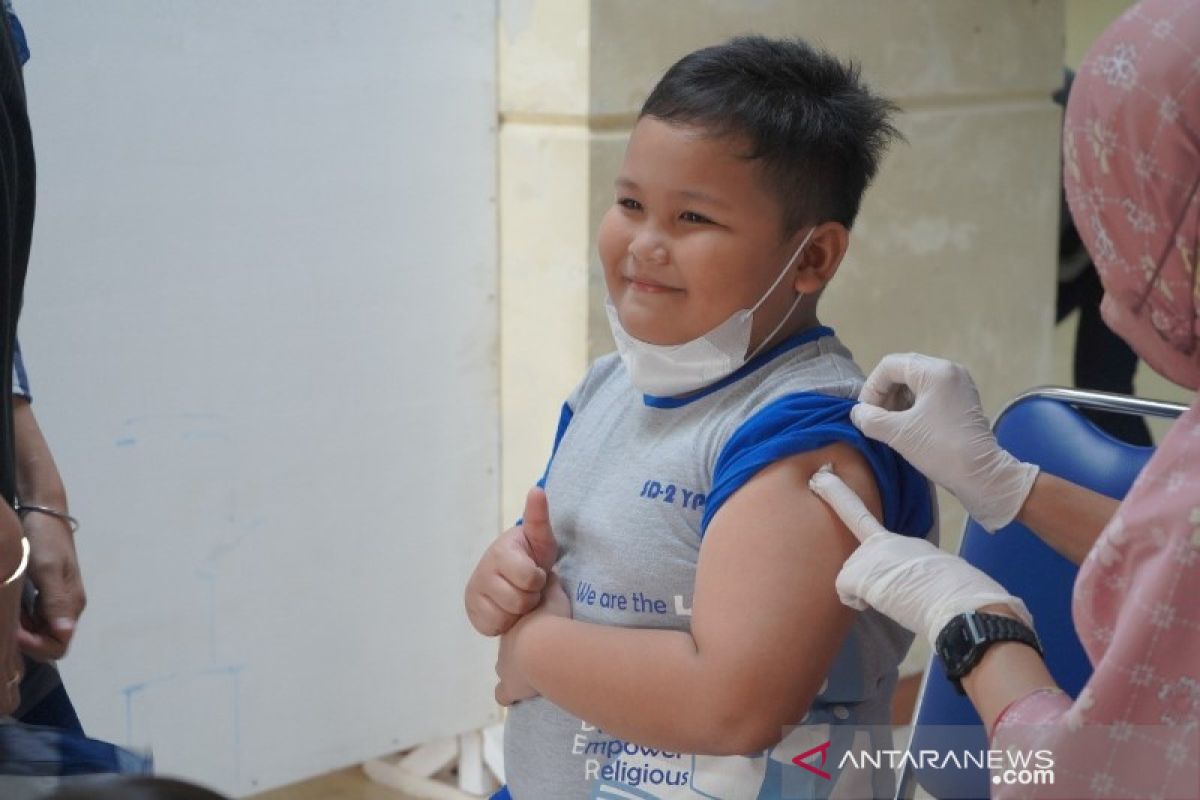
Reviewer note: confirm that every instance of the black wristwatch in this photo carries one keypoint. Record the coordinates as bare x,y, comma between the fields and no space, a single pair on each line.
965,639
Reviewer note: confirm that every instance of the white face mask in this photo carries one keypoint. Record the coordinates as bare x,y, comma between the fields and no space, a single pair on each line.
667,370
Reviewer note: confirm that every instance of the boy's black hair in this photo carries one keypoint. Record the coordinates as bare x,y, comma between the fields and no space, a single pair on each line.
817,132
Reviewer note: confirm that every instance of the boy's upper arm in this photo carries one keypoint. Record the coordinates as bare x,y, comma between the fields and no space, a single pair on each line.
765,613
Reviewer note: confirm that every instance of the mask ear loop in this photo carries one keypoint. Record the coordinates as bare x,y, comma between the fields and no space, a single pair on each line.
786,317
796,302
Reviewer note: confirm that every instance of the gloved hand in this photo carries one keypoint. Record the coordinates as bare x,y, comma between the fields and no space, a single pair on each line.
928,410
903,577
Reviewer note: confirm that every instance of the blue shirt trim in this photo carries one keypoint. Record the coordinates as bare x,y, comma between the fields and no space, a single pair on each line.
806,421
564,419
790,343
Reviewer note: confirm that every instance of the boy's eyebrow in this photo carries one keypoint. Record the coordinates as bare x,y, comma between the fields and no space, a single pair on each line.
704,198
692,194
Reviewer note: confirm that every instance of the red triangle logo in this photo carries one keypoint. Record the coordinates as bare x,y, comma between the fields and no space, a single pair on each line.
823,749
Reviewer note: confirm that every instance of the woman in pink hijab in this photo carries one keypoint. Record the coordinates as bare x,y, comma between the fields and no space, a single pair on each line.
1132,171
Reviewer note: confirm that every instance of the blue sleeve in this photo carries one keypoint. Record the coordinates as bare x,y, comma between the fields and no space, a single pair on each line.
20,380
564,419
800,423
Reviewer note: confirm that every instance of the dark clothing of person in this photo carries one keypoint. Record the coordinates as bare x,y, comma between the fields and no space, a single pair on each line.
17,198
1102,359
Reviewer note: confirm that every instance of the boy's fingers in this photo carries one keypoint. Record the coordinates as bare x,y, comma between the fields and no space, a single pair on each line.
487,617
842,499
511,599
537,508
518,568
536,528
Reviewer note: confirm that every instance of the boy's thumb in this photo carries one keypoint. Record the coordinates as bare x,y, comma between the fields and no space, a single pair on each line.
536,527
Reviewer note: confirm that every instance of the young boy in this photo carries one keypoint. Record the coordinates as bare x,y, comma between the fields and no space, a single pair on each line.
671,615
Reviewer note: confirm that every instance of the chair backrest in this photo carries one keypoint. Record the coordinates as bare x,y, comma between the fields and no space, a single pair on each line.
1043,427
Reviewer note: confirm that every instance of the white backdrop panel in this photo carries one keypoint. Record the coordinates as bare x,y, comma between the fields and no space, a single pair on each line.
261,330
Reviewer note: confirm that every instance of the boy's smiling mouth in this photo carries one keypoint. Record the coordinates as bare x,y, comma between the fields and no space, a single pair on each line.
641,284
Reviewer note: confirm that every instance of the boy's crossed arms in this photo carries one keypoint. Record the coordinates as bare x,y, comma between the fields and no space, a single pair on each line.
766,620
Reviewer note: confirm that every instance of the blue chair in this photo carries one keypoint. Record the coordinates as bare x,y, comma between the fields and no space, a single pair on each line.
1044,427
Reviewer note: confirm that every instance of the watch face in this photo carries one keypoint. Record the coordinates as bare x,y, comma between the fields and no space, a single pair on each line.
955,644
963,641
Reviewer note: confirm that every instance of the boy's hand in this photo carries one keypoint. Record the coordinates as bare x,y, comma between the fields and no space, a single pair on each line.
508,581
513,687
555,601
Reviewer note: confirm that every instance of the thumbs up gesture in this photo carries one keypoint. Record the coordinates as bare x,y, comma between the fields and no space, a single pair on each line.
509,579
539,538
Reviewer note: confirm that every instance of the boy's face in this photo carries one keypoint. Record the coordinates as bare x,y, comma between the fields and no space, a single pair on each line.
692,237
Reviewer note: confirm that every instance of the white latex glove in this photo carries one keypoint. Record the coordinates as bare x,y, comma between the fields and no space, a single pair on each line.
928,410
903,577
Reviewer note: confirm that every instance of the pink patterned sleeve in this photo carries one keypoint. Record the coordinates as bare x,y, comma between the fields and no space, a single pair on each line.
1134,730
1039,707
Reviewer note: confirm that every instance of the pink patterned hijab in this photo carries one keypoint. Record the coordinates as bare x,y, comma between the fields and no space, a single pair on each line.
1131,150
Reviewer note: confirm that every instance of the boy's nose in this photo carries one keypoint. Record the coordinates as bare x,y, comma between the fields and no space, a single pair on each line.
648,248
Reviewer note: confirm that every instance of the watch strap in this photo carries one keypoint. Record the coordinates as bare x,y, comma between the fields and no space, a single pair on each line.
964,640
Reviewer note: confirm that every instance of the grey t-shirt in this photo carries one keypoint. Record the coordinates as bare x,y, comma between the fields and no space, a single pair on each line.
631,486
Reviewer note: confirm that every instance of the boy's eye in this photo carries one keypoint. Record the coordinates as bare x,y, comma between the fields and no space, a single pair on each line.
692,216
629,203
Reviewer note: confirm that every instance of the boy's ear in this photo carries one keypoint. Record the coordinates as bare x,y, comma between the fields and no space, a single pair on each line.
821,257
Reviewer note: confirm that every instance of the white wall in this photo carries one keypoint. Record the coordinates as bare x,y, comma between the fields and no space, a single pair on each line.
261,329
